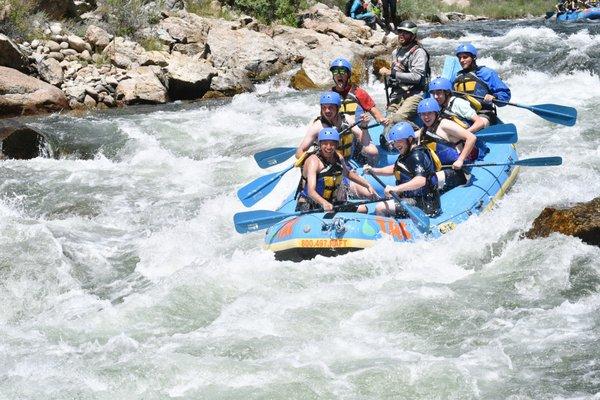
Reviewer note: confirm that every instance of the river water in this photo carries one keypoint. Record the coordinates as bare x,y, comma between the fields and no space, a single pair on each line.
122,277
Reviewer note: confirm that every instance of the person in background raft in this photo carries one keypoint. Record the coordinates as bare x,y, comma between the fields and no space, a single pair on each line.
448,142
454,108
480,81
361,10
352,95
354,141
409,74
415,175
323,172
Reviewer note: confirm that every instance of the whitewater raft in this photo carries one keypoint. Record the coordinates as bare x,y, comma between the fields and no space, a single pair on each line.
589,13
306,236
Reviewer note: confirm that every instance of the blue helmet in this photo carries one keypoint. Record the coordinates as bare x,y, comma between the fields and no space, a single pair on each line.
428,105
340,63
328,134
440,83
466,48
331,98
400,131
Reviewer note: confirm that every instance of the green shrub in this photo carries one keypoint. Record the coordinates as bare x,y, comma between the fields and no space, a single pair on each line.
21,22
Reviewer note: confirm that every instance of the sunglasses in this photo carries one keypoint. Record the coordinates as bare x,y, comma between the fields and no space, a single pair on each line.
339,71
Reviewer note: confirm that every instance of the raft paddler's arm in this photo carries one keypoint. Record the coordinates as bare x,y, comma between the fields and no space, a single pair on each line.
415,183
309,138
478,124
368,148
460,133
385,171
354,177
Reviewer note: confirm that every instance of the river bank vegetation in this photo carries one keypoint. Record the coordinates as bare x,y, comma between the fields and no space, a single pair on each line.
23,19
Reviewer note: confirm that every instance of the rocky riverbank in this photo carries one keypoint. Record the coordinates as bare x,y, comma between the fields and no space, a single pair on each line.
186,56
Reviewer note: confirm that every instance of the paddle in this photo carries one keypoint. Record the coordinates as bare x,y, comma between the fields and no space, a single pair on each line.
277,155
501,133
251,221
558,114
417,215
256,190
527,162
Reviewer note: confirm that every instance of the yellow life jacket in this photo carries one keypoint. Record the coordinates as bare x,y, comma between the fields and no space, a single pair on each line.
431,146
346,146
470,83
329,179
349,106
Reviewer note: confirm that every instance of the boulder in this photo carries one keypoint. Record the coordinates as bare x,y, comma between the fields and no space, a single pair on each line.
184,28
124,53
97,37
51,71
76,43
323,19
255,52
188,77
22,94
10,54
20,141
581,220
231,82
142,86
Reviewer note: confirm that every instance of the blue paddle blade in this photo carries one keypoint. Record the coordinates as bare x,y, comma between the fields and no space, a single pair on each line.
451,68
417,216
558,114
256,190
502,133
540,161
268,158
256,220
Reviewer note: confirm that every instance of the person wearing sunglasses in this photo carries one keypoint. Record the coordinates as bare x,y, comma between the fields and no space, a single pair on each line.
352,95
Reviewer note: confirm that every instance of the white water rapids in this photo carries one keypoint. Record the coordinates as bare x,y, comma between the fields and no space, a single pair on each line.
122,277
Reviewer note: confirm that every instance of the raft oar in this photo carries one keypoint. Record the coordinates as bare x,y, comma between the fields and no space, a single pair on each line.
251,221
417,215
256,190
268,158
558,114
527,162
501,133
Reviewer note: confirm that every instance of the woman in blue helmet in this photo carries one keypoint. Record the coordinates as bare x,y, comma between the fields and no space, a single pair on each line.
448,142
323,174
414,171
457,109
480,81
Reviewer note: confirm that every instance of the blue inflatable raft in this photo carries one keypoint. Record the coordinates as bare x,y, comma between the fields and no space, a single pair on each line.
305,236
589,13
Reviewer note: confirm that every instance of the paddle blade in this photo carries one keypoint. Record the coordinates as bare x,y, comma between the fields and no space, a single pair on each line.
539,162
268,158
558,114
251,221
502,133
256,190
417,216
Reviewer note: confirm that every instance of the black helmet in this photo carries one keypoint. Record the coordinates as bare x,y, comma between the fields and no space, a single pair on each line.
408,26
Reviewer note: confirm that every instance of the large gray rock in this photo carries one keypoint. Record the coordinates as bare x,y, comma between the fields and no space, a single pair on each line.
10,54
231,82
252,51
124,53
51,71
188,77
323,19
97,37
184,28
22,94
142,86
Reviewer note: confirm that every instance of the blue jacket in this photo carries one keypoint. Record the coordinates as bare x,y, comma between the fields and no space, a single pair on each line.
357,7
497,88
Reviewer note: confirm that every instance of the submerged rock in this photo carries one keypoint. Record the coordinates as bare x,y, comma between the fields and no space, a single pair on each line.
582,221
20,142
